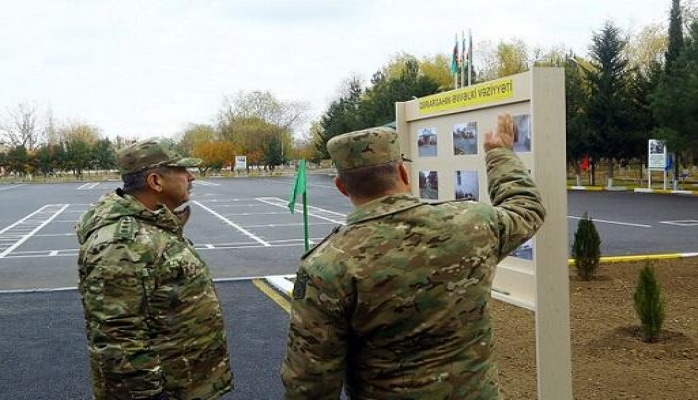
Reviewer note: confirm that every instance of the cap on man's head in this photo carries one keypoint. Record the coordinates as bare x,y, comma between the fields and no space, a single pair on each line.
365,148
151,153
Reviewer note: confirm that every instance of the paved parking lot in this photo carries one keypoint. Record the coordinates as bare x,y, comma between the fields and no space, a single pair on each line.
243,230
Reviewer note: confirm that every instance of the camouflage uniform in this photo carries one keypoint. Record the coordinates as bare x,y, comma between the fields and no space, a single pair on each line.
395,304
154,323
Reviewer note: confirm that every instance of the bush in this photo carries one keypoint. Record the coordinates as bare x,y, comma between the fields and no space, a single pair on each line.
648,304
586,249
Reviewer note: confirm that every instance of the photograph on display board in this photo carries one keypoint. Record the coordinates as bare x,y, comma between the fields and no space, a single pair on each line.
524,251
465,138
428,185
426,142
467,185
656,146
522,133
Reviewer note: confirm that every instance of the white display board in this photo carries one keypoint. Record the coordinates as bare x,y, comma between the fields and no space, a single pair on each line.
443,134
240,163
656,155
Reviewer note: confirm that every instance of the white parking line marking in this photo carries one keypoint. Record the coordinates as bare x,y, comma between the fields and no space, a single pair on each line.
293,224
275,201
234,225
205,183
260,213
88,186
33,231
12,186
681,222
199,246
603,221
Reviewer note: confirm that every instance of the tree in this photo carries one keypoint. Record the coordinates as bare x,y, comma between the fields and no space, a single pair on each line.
648,304
196,134
642,84
579,141
261,109
646,48
273,152
608,108
78,132
22,127
104,155
586,248
676,44
437,69
18,160
304,146
377,106
251,137
44,159
674,103
264,106
4,162
342,114
78,154
507,58
215,155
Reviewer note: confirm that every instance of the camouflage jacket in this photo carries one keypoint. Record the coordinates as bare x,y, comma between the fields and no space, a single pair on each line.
154,323
395,304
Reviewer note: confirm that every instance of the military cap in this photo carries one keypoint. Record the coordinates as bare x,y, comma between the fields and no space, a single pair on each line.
151,153
365,148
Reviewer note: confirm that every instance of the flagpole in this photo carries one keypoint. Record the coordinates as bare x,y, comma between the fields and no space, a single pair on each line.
299,187
462,64
470,57
454,63
305,220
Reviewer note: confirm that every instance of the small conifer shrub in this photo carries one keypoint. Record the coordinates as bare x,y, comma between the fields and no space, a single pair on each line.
586,249
648,304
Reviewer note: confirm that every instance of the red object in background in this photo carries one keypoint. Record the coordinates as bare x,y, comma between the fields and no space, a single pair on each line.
585,164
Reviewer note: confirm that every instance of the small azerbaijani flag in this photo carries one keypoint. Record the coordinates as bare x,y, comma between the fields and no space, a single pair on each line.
454,58
463,54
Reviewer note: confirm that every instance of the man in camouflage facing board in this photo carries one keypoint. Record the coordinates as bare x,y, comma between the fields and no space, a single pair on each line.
395,304
154,324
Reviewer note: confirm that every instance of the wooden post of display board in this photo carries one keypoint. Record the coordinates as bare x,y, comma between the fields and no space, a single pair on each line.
443,134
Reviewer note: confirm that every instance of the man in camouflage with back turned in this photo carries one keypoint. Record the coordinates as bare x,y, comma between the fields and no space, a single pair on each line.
395,304
154,324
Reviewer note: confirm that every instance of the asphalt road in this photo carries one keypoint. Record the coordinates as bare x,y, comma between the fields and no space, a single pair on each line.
43,350
242,229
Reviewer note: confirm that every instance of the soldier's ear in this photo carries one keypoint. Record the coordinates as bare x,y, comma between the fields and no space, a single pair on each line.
404,174
154,181
340,186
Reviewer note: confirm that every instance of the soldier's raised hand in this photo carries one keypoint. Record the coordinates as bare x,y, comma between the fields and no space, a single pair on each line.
503,135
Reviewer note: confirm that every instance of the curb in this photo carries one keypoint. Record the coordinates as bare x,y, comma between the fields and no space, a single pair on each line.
650,257
666,191
284,285
635,190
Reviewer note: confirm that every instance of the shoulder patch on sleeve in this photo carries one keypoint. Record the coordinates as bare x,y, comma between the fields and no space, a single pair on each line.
299,286
126,229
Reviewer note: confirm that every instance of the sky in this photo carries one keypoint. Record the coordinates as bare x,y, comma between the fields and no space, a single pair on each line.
141,68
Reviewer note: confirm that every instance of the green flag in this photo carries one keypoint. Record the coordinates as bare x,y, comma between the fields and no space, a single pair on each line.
298,187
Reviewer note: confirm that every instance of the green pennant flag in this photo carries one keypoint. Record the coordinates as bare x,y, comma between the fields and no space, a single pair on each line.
298,187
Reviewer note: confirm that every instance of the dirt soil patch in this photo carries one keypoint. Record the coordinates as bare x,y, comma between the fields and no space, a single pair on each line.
609,361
